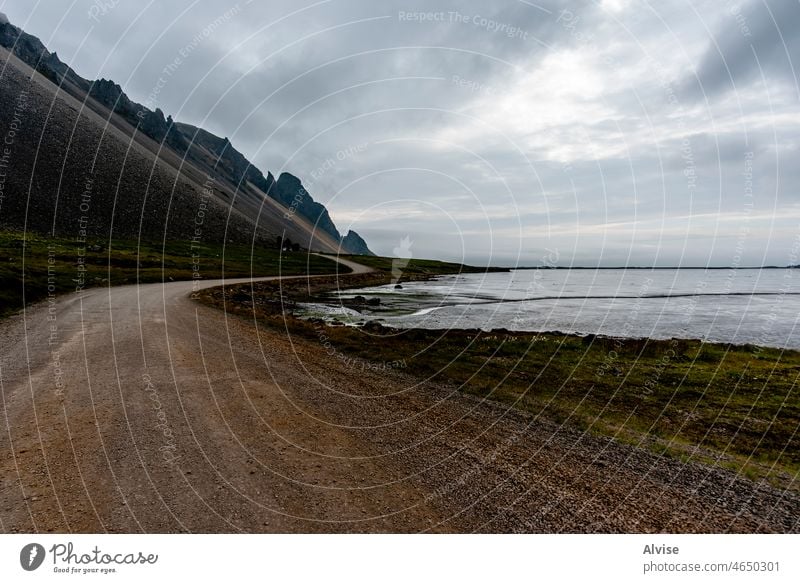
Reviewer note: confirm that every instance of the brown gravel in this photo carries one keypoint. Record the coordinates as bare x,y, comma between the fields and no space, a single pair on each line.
273,434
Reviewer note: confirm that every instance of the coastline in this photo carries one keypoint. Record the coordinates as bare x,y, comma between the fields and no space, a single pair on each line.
681,398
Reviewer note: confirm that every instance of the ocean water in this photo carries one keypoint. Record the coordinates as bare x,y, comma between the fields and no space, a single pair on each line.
744,306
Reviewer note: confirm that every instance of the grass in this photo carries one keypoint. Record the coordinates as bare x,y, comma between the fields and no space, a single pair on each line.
30,262
419,267
737,407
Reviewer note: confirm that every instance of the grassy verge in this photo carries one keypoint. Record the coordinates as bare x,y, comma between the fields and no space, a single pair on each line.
733,406
29,263
419,267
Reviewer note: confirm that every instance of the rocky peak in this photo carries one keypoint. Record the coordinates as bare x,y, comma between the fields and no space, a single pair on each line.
32,52
231,165
290,192
353,243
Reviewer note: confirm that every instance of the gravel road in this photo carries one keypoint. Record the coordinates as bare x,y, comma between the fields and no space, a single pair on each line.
135,409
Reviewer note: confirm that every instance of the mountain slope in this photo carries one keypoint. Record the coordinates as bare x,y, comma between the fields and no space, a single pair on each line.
153,173
355,244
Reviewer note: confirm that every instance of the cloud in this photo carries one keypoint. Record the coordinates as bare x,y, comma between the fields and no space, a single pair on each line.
754,43
484,131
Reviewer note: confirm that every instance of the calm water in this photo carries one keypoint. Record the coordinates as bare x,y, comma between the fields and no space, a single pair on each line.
739,306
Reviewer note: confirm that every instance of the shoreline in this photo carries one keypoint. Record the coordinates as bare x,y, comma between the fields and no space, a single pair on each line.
373,450
725,405
658,268
320,295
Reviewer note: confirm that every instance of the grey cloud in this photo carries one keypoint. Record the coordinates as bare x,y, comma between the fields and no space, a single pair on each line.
473,197
757,39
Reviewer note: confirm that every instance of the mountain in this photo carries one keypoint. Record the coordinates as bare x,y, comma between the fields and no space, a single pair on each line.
146,175
289,190
353,243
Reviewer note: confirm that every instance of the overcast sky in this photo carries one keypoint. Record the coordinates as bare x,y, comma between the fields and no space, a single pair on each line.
599,132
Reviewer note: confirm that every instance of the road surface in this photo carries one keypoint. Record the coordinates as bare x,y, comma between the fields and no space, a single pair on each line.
135,409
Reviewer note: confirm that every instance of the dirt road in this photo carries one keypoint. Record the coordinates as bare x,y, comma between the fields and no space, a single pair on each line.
135,409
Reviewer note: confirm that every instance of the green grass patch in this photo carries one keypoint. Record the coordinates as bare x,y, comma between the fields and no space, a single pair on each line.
419,266
30,262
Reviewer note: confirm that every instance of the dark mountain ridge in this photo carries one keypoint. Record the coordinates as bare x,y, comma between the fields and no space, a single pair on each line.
356,244
205,151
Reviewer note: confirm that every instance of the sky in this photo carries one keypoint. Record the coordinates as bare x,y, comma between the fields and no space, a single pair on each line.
613,132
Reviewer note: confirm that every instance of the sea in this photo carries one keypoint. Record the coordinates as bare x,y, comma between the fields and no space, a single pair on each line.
737,306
